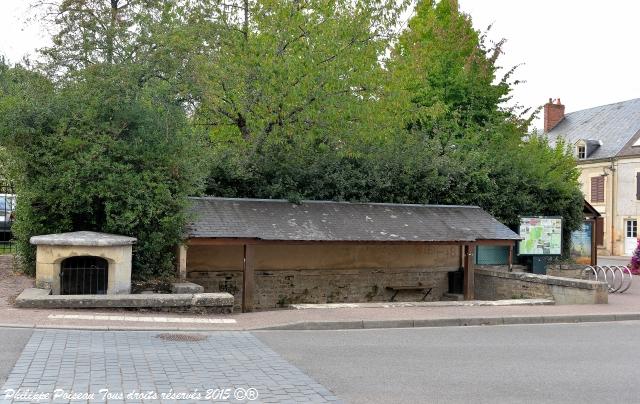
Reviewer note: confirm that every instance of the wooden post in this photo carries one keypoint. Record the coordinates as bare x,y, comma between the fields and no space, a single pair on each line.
594,244
248,278
510,257
469,258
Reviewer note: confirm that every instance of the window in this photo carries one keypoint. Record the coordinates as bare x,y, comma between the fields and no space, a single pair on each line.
582,152
632,228
597,189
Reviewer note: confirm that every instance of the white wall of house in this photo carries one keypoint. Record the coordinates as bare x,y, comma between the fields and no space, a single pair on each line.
620,204
628,207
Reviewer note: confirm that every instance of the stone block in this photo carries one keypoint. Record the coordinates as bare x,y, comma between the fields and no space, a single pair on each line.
41,298
186,287
31,294
212,299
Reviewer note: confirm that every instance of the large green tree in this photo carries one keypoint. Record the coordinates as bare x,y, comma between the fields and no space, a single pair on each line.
287,87
454,103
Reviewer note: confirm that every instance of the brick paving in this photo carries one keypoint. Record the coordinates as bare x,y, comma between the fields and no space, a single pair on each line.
85,362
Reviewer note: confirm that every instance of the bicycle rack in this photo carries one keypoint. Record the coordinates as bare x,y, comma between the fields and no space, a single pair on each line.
617,277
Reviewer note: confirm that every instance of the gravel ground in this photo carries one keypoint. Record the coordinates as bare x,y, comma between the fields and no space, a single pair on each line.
11,282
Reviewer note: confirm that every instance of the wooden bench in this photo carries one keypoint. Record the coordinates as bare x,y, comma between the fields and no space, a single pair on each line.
396,289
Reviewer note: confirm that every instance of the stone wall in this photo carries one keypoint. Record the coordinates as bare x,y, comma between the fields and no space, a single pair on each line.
504,268
575,271
287,274
497,285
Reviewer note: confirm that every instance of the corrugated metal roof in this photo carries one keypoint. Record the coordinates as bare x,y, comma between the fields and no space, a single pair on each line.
614,125
341,221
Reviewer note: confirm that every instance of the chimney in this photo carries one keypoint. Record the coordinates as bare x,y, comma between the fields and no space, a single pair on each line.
553,114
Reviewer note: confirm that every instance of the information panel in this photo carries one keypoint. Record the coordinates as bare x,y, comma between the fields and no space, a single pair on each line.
581,244
540,236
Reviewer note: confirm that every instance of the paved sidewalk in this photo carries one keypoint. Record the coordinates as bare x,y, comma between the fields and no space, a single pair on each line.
621,307
78,366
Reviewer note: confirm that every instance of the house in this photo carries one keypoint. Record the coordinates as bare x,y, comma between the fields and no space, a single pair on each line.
270,253
606,144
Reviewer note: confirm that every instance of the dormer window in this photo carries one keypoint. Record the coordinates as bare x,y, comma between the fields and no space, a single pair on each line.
585,148
581,152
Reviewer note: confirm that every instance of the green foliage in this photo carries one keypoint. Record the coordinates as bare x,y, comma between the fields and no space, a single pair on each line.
101,152
455,104
434,131
298,99
290,89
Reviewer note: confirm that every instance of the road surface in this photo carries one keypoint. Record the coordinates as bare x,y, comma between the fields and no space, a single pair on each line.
561,363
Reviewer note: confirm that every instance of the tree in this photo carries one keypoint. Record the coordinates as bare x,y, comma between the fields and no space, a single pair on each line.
286,81
453,105
101,153
89,32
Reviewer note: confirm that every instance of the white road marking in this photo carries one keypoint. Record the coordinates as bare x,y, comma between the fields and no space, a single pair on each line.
97,317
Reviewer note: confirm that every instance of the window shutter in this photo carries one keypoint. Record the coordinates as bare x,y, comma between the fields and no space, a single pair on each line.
599,231
597,189
638,186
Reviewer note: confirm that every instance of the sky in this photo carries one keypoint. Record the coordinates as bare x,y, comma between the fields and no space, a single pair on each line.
585,52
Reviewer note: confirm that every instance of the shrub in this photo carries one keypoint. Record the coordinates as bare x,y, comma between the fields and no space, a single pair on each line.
104,151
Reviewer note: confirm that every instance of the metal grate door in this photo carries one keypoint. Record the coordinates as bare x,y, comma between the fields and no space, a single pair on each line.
84,276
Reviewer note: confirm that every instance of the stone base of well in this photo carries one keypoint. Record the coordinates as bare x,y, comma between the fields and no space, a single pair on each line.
196,302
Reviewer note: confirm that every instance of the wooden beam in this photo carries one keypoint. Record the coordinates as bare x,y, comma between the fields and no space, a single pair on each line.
469,258
510,262
248,278
253,241
496,242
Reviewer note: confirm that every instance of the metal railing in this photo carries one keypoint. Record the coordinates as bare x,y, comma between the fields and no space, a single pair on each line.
7,247
617,277
84,276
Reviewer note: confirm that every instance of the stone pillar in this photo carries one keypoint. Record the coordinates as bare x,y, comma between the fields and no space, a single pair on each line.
181,261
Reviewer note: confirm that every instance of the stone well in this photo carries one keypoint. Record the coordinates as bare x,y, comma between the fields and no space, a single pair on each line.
54,249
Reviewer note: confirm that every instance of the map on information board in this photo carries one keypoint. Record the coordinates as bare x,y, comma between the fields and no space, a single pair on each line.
540,236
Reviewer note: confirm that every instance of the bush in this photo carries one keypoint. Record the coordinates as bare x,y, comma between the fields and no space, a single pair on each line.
103,151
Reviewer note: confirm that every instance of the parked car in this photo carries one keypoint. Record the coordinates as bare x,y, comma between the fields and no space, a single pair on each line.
7,211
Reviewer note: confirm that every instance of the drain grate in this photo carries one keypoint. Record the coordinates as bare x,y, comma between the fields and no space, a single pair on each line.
182,337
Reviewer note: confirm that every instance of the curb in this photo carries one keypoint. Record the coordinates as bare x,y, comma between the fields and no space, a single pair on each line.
454,322
363,324
113,328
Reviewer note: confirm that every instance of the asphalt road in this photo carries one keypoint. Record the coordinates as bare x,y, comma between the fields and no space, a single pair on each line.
561,363
12,341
